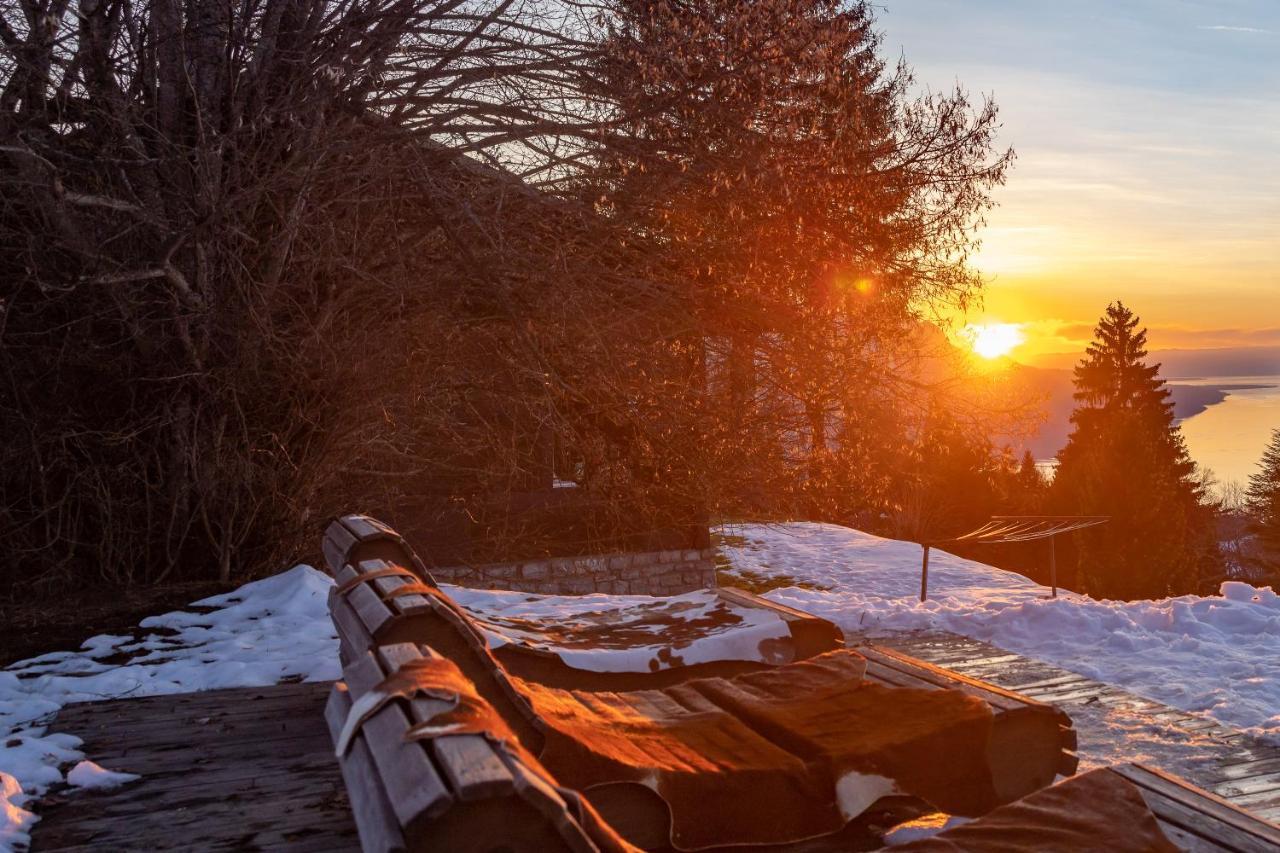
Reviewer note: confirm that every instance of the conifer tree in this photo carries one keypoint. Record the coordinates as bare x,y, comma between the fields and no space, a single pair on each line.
1262,506
1028,488
1126,459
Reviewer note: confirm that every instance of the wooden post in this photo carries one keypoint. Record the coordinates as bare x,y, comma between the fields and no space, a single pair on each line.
1053,568
924,575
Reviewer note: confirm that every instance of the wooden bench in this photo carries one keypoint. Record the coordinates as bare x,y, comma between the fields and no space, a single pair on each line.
454,785
1032,742
1197,820
455,792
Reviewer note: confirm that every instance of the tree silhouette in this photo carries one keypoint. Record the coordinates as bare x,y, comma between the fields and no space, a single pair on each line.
1126,459
1262,505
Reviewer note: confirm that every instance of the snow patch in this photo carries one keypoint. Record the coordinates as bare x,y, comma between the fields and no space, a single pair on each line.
925,826
88,775
627,633
15,821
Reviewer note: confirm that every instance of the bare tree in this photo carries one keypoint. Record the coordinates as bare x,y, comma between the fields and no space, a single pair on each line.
270,260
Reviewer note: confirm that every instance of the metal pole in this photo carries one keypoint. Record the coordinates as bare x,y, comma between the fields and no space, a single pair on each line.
924,575
1053,567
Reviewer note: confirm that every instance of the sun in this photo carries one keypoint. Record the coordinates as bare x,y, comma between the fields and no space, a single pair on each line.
992,340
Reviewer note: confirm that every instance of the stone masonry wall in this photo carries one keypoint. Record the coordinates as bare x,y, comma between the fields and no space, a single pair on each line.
652,573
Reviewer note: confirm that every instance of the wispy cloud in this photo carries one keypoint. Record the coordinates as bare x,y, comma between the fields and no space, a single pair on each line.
1223,28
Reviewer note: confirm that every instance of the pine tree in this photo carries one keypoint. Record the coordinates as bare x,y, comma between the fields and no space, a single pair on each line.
1029,486
1262,506
1126,459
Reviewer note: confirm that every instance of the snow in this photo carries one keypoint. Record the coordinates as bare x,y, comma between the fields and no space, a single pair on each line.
925,826
1216,655
86,774
627,633
15,822
260,634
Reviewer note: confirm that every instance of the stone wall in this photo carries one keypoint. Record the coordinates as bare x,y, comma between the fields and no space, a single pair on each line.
651,573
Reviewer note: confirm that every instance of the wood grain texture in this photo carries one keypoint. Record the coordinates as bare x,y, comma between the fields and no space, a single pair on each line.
247,768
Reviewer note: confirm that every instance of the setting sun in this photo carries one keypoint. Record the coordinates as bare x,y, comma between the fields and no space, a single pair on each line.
992,340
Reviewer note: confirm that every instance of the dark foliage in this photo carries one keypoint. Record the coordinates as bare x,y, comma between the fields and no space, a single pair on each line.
1262,510
267,262
1126,459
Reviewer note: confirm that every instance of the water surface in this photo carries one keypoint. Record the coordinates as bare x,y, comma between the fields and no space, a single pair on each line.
1229,437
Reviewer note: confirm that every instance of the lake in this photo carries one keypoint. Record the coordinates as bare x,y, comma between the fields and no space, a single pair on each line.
1228,437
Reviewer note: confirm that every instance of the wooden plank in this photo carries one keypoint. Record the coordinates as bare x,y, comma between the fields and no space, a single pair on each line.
1258,798
201,727
206,708
336,545
1245,769
743,598
365,528
1068,678
375,615
255,702
1210,834
1074,697
413,786
401,604
380,832
997,696
987,661
469,763
351,629
1224,815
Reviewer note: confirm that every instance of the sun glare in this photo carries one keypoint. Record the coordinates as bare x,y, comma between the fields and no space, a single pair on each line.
992,340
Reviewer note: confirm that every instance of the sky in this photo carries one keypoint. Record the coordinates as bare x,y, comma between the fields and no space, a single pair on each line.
1147,135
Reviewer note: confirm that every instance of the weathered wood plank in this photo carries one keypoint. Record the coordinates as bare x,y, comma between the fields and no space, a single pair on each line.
413,786
336,545
1216,817
473,770
372,611
375,819
243,790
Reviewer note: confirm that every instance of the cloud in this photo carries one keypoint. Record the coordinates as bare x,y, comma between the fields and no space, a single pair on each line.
1223,28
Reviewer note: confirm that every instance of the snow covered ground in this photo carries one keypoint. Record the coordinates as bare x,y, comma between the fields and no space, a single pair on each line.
1217,655
264,632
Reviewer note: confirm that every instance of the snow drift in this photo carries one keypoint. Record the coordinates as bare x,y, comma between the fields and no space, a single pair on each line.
1217,655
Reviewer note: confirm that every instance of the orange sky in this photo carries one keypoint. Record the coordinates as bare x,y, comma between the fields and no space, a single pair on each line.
1148,143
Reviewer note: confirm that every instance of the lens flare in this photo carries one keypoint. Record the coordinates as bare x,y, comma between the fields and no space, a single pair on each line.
992,340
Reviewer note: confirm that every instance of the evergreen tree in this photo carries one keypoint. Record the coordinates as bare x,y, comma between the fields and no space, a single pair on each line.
1262,506
1029,486
1126,459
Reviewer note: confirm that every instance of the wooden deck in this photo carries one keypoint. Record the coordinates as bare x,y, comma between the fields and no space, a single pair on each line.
242,769
1239,768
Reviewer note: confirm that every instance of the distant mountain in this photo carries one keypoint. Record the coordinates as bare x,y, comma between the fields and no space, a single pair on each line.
1235,361
1192,363
1054,387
